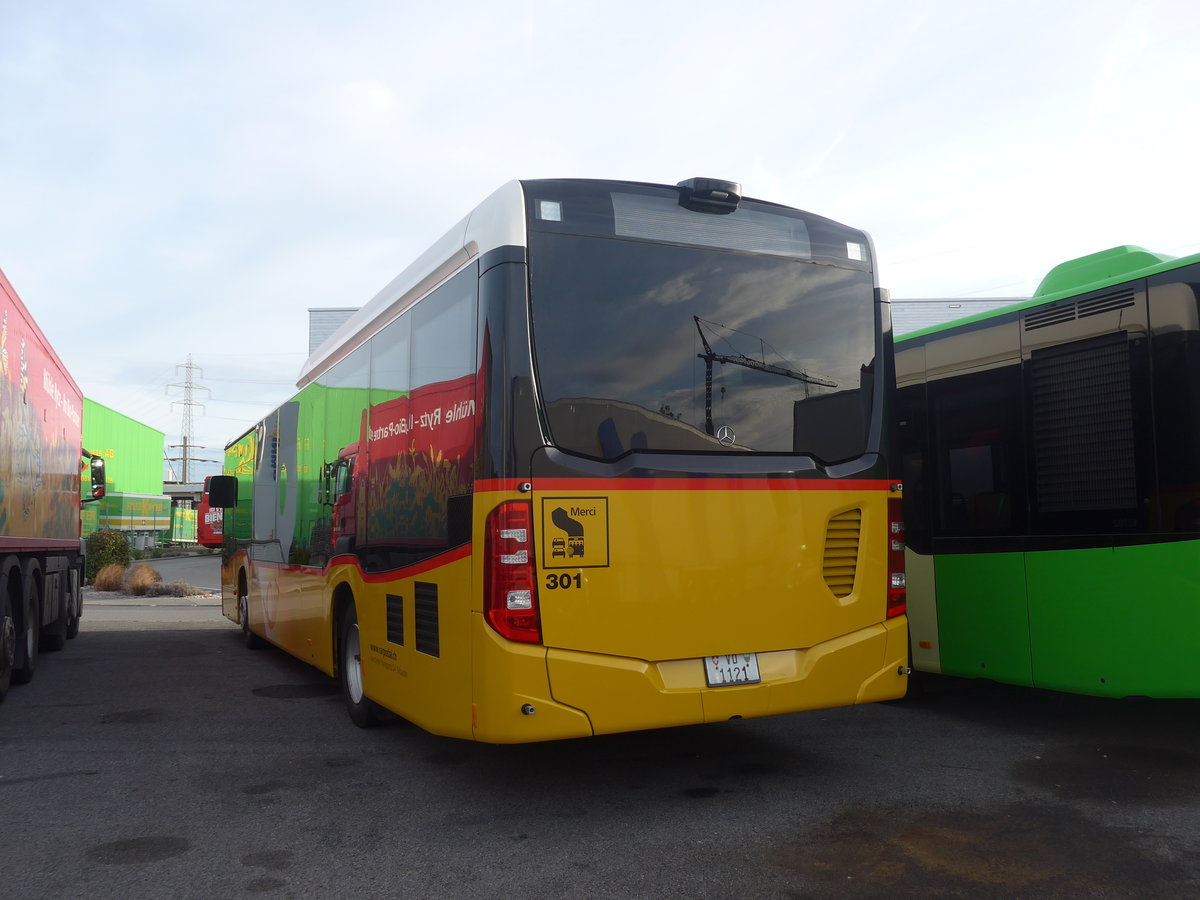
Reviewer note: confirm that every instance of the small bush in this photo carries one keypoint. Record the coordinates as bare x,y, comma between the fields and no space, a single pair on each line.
140,578
106,548
109,578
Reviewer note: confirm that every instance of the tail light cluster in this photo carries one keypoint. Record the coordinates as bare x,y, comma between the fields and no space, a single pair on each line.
510,601
897,592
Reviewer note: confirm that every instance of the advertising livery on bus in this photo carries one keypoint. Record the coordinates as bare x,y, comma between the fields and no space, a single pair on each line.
1051,462
608,456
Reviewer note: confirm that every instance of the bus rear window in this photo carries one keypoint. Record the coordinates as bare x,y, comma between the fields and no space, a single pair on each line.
661,347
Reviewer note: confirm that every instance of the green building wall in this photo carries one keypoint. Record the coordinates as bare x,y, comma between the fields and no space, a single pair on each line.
133,452
133,463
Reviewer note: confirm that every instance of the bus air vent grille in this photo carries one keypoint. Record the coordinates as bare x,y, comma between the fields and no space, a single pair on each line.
1079,309
1082,418
427,637
395,619
1094,306
841,551
1052,315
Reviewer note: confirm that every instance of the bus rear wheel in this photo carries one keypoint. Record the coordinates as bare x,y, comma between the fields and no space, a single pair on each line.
249,638
363,712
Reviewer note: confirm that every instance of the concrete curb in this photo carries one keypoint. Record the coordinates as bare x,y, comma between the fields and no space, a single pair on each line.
115,598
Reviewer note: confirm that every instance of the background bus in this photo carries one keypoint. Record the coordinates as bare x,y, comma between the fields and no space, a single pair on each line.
608,456
1051,463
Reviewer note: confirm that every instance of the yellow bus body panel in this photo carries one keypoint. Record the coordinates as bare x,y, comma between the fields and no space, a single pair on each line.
680,574
287,606
432,691
671,577
513,700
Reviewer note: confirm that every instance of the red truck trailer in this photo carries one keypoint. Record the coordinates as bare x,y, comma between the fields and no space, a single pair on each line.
41,461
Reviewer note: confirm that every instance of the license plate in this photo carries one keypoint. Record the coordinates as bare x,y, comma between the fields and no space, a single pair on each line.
740,668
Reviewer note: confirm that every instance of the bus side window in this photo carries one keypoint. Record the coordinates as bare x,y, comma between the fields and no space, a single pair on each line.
911,438
1175,346
978,478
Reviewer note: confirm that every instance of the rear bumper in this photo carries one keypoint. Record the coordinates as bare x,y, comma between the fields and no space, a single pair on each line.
589,693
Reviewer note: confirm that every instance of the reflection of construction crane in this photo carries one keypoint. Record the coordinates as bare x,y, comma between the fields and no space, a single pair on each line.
740,359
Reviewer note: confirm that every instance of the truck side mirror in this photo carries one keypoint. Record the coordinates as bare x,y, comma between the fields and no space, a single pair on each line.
222,491
99,485
323,485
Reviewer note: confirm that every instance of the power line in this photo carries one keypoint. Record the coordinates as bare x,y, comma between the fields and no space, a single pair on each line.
249,402
248,380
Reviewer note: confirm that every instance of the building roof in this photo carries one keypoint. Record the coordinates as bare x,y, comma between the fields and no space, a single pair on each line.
917,313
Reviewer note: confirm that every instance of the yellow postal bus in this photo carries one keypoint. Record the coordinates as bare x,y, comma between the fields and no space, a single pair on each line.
608,456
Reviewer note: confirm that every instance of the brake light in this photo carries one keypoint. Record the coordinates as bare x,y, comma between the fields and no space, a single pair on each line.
897,592
509,580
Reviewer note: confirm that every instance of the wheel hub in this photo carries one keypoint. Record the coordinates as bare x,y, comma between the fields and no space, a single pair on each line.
353,665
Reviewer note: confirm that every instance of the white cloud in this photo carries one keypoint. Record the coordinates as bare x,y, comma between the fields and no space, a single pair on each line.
190,178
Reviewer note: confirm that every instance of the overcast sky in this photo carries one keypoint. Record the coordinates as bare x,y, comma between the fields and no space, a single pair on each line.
191,177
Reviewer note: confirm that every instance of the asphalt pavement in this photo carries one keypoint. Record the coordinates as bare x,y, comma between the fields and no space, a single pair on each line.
158,756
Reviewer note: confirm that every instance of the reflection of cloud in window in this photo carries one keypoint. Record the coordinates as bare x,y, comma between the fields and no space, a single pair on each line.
809,317
776,290
679,289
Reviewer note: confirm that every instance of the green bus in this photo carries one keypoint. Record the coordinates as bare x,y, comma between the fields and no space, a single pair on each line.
1051,465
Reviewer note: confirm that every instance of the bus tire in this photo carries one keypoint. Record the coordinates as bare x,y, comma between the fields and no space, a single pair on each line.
27,638
364,713
249,638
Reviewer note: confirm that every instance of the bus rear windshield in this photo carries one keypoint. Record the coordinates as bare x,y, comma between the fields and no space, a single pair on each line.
687,331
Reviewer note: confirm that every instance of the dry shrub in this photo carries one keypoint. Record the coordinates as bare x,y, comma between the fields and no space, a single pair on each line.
140,578
173,589
109,578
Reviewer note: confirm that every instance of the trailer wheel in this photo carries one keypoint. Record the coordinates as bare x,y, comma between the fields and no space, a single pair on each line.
54,638
8,637
54,635
74,603
27,645
363,712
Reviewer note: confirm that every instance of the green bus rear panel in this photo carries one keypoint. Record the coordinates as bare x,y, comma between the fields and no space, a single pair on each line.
1116,622
983,622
